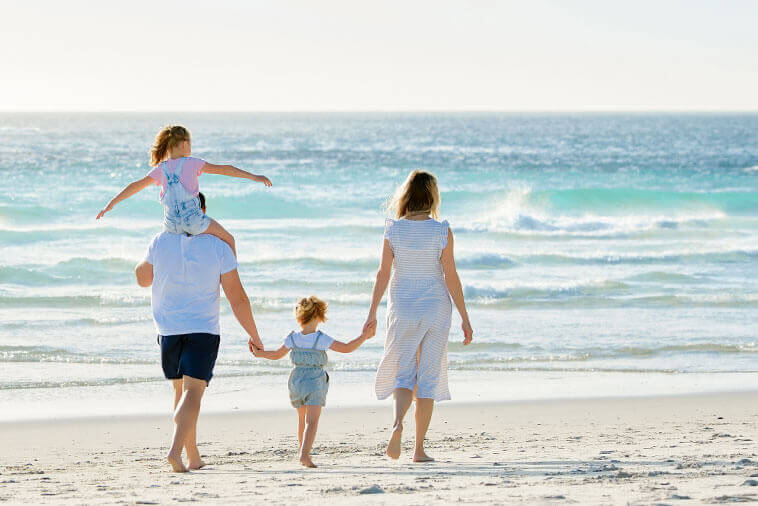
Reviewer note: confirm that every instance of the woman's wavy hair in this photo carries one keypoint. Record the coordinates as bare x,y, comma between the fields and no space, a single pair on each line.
419,193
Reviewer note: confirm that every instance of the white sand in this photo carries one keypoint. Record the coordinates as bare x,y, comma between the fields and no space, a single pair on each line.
668,450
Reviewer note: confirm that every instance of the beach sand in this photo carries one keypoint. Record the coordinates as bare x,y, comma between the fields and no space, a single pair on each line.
672,450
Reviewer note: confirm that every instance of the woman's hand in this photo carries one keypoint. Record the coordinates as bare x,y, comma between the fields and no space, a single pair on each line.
468,332
369,328
105,210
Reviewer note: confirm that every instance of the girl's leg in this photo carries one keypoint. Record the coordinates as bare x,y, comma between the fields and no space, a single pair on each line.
424,408
312,414
403,399
300,426
216,229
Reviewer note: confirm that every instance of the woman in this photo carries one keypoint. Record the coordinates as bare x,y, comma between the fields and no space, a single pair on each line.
414,364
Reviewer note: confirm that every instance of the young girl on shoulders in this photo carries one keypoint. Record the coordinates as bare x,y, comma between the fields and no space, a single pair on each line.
309,381
177,174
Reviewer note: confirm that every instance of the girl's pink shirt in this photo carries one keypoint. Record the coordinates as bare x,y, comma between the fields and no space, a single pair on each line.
191,171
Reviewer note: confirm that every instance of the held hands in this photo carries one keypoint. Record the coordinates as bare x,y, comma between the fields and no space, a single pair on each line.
104,210
369,330
263,179
256,346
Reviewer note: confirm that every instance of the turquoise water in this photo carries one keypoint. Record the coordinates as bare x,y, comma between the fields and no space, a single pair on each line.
600,254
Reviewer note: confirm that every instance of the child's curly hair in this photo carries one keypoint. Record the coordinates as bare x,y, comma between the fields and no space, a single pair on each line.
309,308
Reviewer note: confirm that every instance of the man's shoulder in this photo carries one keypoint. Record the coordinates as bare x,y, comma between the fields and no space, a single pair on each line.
162,237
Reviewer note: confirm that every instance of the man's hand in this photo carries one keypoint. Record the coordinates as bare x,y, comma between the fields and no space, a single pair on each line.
255,345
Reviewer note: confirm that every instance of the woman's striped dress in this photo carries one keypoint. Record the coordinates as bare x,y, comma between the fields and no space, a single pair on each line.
418,312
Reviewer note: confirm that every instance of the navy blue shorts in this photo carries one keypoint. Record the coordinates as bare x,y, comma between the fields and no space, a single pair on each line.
191,355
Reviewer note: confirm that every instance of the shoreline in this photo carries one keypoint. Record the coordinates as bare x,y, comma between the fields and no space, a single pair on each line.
378,404
610,450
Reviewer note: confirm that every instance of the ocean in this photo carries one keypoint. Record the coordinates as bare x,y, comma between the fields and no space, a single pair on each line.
601,254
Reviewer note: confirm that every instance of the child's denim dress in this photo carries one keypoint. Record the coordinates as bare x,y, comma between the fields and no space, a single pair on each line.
182,212
309,382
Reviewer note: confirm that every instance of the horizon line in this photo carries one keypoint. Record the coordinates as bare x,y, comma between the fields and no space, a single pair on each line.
375,111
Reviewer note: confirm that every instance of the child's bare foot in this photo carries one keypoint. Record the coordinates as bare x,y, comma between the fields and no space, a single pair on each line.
176,463
421,456
393,447
196,465
306,461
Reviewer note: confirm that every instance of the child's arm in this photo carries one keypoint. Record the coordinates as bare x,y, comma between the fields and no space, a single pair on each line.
232,171
131,189
271,354
351,346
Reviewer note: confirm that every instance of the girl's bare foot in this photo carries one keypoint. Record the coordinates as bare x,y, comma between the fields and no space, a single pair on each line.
393,447
176,463
421,456
196,465
307,462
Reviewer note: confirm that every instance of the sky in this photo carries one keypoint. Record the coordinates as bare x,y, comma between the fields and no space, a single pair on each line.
390,55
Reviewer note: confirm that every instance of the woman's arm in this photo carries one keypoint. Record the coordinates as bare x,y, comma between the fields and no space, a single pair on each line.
272,354
131,189
232,171
453,283
368,331
380,285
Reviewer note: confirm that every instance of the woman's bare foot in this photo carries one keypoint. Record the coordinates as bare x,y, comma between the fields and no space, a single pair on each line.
306,461
421,456
194,466
394,445
176,463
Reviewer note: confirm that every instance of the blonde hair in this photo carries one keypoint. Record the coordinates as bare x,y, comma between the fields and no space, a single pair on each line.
309,308
168,138
419,193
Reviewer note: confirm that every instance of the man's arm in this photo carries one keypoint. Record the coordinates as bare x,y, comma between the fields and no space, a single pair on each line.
240,303
144,273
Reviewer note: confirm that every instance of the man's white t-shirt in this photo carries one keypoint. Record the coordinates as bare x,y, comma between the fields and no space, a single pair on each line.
186,277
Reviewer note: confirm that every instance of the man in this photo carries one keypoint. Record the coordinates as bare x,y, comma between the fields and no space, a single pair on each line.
185,272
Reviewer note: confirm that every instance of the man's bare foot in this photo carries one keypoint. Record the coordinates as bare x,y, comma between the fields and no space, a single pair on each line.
393,447
176,463
196,465
307,462
421,456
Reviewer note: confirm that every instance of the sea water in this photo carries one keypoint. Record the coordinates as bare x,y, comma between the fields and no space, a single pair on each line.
600,254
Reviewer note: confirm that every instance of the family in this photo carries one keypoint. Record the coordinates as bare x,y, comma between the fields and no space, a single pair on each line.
186,263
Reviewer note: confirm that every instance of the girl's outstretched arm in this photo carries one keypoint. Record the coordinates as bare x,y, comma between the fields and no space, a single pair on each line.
232,171
131,189
272,354
368,332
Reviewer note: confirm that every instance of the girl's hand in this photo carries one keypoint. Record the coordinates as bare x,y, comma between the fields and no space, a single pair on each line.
468,332
369,325
255,346
263,179
104,210
369,330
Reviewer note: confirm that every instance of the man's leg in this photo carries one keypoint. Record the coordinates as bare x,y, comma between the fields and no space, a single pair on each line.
177,391
185,420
